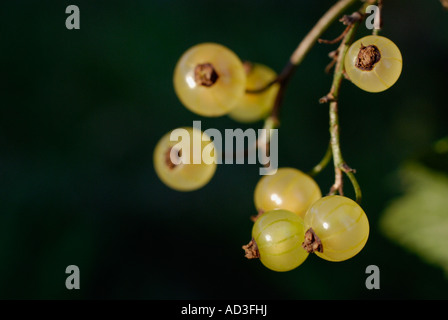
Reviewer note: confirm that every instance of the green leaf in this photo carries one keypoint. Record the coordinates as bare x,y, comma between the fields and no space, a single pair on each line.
419,219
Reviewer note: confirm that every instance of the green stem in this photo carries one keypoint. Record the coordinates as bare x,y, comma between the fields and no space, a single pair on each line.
340,165
339,68
323,163
355,185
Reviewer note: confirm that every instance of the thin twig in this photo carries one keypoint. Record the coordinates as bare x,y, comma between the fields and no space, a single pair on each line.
323,163
336,40
264,88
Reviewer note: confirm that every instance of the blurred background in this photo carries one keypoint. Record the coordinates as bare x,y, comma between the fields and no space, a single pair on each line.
81,112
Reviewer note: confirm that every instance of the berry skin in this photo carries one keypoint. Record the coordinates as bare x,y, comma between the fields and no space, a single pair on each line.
256,106
341,227
278,235
209,79
373,63
288,189
183,176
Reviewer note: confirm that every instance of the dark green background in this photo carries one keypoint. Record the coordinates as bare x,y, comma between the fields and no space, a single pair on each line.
81,112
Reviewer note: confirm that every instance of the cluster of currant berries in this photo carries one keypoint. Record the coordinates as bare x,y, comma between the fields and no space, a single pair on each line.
210,80
294,218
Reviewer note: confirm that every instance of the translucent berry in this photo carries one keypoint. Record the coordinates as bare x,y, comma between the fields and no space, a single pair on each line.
174,162
373,63
278,235
337,228
288,189
209,79
256,106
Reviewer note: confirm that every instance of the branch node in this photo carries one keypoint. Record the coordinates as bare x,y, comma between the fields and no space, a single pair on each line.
338,182
328,98
346,168
333,54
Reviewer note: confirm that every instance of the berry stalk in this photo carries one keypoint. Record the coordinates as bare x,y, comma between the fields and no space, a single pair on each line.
340,166
313,36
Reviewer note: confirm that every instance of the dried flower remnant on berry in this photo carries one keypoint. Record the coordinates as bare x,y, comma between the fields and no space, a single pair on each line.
312,242
168,161
205,74
251,250
254,218
368,56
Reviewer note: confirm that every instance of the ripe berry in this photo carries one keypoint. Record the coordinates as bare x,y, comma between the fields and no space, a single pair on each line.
209,79
278,235
288,189
337,228
373,63
256,106
185,176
